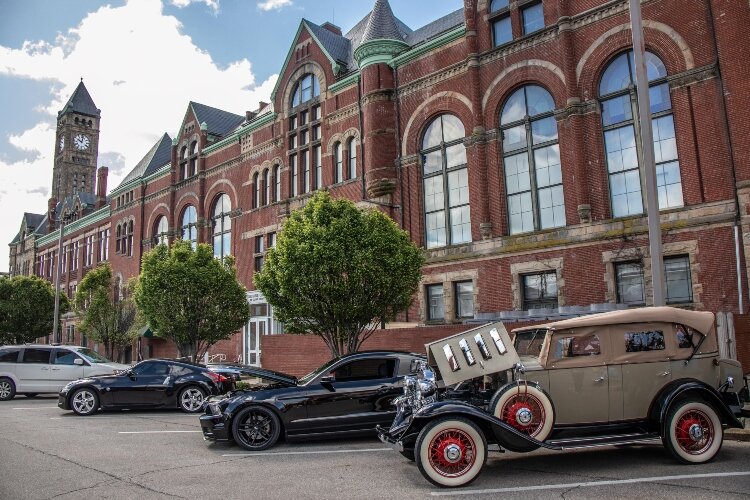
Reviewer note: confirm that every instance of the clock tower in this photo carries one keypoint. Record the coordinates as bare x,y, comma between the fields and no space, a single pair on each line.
76,146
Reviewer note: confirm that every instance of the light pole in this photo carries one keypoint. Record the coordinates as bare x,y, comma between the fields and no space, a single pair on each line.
647,150
56,323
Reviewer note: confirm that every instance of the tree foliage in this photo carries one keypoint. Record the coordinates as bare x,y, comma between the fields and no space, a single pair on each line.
190,297
337,271
27,309
106,317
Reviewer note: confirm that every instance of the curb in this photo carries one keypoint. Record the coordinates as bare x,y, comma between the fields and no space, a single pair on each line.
737,435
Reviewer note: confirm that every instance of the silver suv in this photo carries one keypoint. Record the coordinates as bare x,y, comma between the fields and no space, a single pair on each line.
39,368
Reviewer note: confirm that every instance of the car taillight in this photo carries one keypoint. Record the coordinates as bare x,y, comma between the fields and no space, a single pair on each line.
218,379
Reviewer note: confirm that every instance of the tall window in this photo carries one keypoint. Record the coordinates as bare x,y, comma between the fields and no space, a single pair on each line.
306,89
294,188
130,238
435,305
222,227
338,161
532,18
531,160
190,225
629,279
464,299
266,188
277,182
318,166
446,183
193,158
352,146
103,245
74,256
161,231
260,249
679,283
540,290
256,198
500,20
89,251
64,268
621,128
305,169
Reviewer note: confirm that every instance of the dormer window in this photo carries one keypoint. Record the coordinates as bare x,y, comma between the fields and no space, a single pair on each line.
306,89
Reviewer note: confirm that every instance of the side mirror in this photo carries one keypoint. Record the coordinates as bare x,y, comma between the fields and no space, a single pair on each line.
129,373
78,361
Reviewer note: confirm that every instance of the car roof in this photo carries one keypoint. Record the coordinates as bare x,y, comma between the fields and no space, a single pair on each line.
177,362
373,353
50,346
703,321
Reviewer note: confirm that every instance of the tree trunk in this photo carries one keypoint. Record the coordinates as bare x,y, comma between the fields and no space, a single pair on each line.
187,351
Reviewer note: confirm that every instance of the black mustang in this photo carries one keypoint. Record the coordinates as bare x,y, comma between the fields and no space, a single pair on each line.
154,383
346,396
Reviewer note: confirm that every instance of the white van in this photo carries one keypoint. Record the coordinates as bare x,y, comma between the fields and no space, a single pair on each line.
39,368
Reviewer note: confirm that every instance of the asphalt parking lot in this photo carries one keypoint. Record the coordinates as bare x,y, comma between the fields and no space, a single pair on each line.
47,453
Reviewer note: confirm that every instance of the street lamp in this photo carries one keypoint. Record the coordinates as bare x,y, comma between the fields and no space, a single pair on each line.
65,217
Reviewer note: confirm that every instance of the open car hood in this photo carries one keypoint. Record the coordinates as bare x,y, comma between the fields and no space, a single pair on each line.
474,353
255,371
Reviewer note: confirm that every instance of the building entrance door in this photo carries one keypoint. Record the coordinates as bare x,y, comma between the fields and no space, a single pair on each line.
253,331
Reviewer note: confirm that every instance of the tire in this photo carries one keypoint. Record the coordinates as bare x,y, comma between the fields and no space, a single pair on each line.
451,452
693,433
31,394
525,407
256,428
191,399
7,389
408,454
84,402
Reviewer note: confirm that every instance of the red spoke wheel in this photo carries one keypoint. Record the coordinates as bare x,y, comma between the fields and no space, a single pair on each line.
451,452
693,433
525,407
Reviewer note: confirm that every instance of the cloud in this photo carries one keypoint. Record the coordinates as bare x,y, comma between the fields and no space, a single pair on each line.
181,4
41,190
164,70
274,4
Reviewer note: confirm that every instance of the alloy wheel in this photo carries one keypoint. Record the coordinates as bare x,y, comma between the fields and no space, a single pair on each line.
192,399
5,389
257,429
84,402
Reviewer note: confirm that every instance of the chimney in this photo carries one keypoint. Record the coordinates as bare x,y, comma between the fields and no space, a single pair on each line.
249,115
101,186
331,27
261,105
51,216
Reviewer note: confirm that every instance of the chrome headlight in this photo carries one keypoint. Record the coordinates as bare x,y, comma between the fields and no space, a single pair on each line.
214,409
426,385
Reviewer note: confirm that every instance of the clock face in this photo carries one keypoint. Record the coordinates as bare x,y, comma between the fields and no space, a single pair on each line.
62,142
81,142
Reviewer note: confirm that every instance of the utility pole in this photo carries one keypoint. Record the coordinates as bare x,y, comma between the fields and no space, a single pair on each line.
647,151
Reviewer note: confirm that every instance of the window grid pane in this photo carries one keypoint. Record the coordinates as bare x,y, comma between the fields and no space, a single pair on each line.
533,18
679,284
435,305
465,299
630,288
540,290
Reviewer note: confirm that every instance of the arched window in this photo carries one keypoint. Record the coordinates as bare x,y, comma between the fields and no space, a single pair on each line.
338,162
256,198
621,128
161,230
266,187
446,183
352,145
222,226
277,181
531,161
190,225
307,88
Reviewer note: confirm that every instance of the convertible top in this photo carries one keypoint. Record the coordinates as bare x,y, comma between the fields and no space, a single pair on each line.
703,321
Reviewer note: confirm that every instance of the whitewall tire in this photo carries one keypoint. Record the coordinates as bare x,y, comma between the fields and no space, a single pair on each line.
526,408
694,433
451,452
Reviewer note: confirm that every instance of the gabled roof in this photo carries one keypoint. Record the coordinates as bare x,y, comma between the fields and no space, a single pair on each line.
33,220
159,155
436,27
219,122
80,102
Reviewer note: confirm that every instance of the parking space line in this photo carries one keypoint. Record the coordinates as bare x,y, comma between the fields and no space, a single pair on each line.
154,432
588,484
320,452
36,408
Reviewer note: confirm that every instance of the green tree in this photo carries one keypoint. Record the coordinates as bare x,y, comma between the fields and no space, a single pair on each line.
190,297
107,312
27,309
338,271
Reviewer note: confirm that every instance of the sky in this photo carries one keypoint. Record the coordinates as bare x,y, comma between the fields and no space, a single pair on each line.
142,61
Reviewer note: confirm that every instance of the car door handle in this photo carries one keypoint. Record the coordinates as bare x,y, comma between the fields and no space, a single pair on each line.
45,368
663,374
55,369
600,379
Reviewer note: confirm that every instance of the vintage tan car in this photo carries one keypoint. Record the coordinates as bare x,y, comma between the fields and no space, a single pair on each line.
621,377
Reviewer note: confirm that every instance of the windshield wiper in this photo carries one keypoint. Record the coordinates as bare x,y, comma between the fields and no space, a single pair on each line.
695,350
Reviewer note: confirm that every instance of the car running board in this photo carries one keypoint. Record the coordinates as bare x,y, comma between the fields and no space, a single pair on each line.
591,442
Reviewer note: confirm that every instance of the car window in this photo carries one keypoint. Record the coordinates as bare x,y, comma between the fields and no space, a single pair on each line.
181,371
9,355
365,369
573,346
64,357
36,356
640,341
529,343
150,368
685,337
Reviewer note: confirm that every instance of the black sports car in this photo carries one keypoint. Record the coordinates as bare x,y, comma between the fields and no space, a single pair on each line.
154,383
347,396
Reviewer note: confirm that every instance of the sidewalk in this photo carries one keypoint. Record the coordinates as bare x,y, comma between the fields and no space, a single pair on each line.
739,434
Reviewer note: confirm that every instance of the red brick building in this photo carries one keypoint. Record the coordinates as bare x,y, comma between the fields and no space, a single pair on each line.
503,137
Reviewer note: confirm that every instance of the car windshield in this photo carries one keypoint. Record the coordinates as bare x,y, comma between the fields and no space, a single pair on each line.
307,378
92,356
529,342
